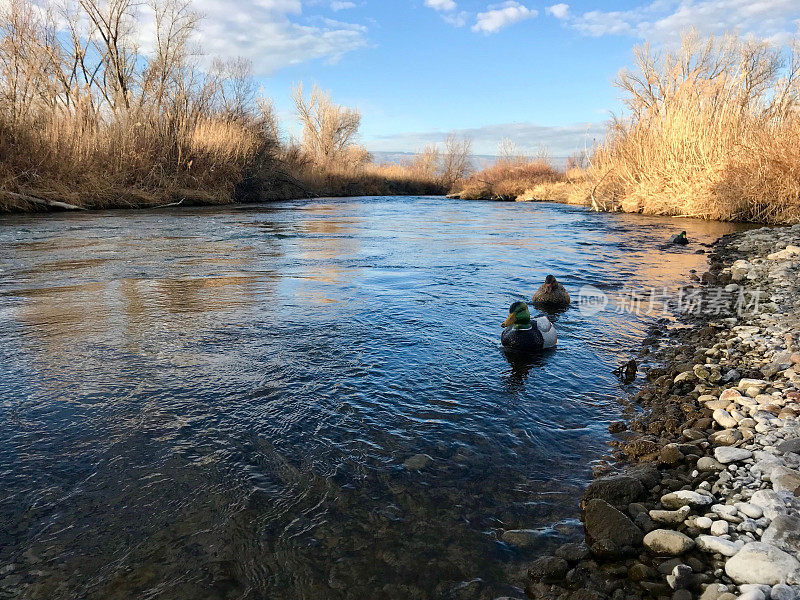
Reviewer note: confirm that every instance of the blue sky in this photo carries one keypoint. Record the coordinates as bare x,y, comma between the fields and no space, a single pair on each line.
537,72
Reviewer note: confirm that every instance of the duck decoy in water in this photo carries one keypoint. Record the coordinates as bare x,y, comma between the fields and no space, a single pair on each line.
627,372
552,293
679,239
524,335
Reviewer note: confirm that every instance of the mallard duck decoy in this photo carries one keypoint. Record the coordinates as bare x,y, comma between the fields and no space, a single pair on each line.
522,334
552,293
679,239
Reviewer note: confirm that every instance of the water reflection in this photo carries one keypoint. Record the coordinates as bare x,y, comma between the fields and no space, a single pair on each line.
220,403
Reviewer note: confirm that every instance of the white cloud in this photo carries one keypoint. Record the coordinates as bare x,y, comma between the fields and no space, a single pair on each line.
559,11
458,19
272,34
443,5
339,5
560,141
502,15
662,21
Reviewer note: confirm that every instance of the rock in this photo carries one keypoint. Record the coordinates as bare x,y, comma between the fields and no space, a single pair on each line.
730,395
522,538
681,498
707,463
667,541
751,510
754,594
619,490
714,591
784,478
784,533
792,445
782,592
617,427
548,568
608,531
681,578
670,455
769,502
719,528
717,545
760,563
726,437
640,447
670,517
724,418
703,522
572,552
417,462
728,454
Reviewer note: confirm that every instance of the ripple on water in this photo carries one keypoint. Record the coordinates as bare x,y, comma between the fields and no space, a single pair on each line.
218,403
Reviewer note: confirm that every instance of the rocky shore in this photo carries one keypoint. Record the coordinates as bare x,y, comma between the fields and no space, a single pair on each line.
704,503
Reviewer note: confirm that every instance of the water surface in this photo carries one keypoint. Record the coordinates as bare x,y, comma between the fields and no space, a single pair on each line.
218,403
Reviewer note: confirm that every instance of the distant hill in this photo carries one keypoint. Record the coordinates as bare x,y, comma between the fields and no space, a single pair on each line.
479,161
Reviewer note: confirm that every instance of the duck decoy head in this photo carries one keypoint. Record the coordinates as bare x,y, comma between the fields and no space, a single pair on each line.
518,315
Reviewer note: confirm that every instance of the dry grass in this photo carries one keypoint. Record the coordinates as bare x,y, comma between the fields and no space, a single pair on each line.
714,133
87,119
123,163
508,180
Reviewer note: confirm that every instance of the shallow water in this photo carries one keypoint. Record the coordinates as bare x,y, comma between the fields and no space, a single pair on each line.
217,403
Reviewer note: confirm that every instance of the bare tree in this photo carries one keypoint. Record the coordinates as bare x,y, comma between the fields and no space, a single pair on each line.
456,160
328,128
426,163
175,24
508,152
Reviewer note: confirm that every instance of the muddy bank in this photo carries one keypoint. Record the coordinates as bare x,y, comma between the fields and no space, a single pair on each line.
704,500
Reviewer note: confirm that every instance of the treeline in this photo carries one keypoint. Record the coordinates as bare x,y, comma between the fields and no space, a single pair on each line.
92,116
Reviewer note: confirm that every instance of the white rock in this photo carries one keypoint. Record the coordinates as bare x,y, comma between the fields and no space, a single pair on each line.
760,563
724,418
751,510
729,454
675,500
717,545
769,502
754,594
719,528
703,522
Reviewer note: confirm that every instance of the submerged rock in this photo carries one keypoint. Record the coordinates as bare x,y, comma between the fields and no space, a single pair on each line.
418,462
608,531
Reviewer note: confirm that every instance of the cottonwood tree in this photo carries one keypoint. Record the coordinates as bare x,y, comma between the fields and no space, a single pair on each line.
456,160
426,162
329,129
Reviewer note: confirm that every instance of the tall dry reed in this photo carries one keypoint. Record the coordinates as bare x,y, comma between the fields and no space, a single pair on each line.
713,132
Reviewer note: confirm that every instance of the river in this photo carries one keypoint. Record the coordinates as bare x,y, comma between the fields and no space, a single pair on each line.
219,402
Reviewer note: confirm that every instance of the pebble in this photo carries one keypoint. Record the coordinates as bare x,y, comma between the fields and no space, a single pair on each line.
703,522
719,528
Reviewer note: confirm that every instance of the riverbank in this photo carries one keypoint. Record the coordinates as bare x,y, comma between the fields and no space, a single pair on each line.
705,503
